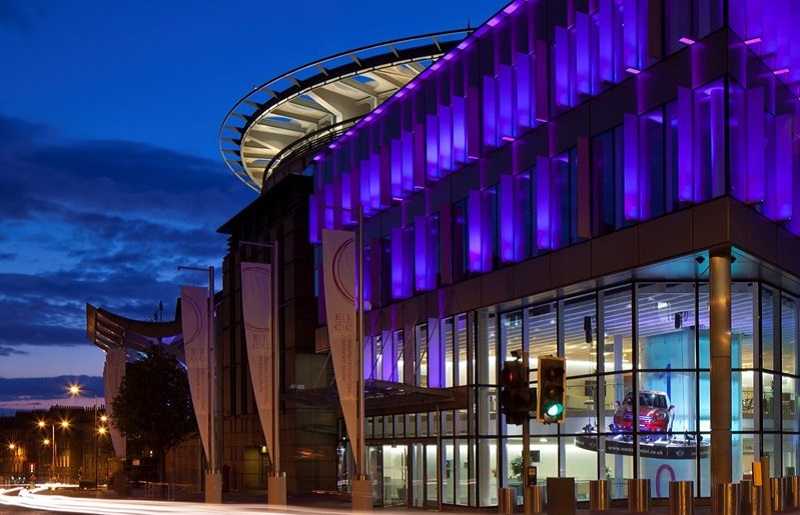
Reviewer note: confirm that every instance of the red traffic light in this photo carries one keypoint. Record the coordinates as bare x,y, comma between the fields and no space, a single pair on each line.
514,375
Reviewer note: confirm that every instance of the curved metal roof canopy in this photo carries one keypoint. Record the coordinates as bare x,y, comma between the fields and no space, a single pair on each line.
318,101
108,330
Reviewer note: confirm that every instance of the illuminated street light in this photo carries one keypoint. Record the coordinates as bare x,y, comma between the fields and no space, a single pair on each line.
42,425
75,391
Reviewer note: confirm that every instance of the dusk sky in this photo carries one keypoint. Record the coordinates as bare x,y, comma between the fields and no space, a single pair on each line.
110,173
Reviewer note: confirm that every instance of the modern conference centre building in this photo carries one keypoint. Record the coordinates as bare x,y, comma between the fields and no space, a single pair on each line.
615,182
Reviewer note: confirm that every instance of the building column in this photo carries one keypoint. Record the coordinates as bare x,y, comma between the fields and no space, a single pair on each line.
720,317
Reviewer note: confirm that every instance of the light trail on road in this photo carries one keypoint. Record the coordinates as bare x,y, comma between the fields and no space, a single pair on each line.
42,498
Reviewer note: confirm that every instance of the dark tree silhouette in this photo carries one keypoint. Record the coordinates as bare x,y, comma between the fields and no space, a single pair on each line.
154,406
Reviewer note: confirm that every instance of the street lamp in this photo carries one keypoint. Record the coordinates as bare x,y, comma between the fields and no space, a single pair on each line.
43,424
75,391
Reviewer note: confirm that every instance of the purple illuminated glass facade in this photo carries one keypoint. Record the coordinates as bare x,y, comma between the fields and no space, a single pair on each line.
552,128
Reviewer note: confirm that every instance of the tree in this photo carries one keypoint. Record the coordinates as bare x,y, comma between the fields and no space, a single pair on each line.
154,406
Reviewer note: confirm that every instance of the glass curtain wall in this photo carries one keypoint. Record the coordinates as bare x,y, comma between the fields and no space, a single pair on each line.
637,391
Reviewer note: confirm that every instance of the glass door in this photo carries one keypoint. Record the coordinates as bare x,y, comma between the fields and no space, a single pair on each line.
395,475
424,483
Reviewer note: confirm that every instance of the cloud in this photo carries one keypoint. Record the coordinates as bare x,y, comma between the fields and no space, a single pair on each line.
104,222
6,351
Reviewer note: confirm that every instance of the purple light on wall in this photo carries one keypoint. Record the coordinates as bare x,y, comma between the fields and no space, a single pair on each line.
718,156
686,192
605,29
407,162
630,35
397,168
542,87
369,358
475,231
509,225
583,52
459,111
523,80
544,202
633,207
783,167
505,101
445,140
400,268
490,137
421,251
313,220
388,368
562,55
435,354
329,214
755,145
432,147
374,171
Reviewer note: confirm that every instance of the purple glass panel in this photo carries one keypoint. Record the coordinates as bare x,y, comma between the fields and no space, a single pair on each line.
630,35
435,354
445,140
686,191
348,213
717,121
544,203
399,267
562,56
490,136
475,231
583,52
505,101
375,182
755,145
783,167
329,215
523,92
459,110
369,358
633,207
397,168
421,251
388,368
605,28
432,147
508,223
313,220
407,159
542,84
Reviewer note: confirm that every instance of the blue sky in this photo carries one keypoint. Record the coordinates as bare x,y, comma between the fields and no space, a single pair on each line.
110,174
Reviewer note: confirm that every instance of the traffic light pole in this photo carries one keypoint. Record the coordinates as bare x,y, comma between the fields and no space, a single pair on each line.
526,459
526,444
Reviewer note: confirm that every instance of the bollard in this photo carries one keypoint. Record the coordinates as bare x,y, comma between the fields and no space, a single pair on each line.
725,499
536,495
505,501
681,498
793,492
778,494
638,495
750,496
599,495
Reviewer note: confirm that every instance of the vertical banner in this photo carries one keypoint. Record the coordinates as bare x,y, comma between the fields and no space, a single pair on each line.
338,261
113,372
258,327
194,322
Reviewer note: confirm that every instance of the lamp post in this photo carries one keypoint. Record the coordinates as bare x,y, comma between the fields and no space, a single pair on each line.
276,483
213,486
43,424
75,391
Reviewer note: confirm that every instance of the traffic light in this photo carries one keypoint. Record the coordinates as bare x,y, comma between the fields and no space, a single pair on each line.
517,398
552,393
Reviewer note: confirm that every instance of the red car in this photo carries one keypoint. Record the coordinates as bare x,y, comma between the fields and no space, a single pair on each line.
655,413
